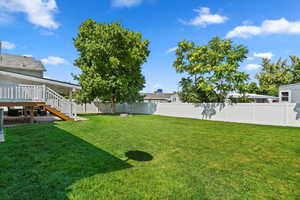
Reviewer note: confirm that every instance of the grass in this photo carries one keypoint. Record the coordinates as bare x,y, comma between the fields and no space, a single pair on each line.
149,157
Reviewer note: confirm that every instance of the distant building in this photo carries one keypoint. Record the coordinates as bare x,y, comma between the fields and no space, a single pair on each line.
161,98
256,98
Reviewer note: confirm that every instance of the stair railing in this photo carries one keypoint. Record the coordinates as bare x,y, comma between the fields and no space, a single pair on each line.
58,102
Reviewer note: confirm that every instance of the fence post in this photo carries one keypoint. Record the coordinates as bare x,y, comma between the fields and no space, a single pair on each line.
1,125
253,112
44,93
74,111
286,114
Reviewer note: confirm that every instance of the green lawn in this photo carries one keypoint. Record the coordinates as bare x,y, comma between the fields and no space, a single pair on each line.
185,159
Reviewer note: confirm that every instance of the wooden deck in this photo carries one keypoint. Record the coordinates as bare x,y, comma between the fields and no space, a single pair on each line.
11,104
31,96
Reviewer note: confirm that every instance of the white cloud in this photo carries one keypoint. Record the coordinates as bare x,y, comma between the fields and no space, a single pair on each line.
251,67
53,60
126,3
244,31
39,12
171,50
8,45
267,55
205,18
157,86
280,26
250,58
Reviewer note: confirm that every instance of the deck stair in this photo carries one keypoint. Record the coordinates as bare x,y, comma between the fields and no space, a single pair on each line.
55,112
39,95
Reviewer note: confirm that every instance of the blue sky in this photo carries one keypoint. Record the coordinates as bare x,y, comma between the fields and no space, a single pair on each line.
44,30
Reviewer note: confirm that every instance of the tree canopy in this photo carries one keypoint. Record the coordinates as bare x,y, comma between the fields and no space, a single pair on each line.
278,73
212,70
110,60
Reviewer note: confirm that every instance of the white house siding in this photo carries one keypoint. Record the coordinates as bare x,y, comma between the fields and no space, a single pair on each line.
39,74
175,98
284,114
6,83
295,96
11,63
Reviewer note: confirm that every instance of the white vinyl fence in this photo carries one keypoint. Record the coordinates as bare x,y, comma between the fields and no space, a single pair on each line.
1,125
284,114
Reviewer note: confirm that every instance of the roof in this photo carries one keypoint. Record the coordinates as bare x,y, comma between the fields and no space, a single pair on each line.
251,96
290,85
20,62
17,76
157,96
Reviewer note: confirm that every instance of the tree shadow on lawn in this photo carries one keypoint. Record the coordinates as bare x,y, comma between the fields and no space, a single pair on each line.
139,156
42,161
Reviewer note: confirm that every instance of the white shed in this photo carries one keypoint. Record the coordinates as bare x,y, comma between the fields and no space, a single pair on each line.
290,93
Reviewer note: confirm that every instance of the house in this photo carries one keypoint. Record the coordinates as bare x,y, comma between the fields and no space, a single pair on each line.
22,64
256,98
22,83
290,93
161,97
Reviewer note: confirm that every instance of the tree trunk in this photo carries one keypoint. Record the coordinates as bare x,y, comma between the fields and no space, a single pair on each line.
113,105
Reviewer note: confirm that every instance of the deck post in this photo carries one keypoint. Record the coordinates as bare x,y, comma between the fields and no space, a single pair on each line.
73,108
31,114
44,93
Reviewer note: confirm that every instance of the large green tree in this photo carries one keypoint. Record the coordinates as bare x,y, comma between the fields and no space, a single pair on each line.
212,70
278,73
110,60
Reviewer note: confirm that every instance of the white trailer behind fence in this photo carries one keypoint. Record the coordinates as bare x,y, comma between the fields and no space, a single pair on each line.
283,114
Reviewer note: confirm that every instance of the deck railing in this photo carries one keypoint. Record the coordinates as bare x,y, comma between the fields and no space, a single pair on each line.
19,93
36,93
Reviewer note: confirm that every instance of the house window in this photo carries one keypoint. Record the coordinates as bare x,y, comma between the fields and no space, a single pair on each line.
285,96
